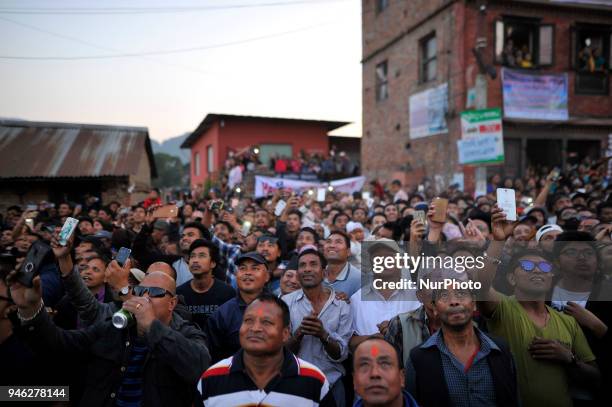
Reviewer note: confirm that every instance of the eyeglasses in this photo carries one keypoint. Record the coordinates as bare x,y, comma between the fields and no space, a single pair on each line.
154,292
575,253
529,266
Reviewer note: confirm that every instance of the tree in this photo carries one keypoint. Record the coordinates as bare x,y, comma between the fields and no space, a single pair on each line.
170,171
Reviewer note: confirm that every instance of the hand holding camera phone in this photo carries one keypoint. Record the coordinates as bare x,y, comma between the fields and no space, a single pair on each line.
506,200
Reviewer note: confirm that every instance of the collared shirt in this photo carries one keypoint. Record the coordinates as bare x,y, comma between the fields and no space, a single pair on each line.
224,327
395,334
348,281
370,308
231,252
337,321
473,387
182,272
298,384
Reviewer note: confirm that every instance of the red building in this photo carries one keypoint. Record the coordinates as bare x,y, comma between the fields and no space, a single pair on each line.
419,49
219,134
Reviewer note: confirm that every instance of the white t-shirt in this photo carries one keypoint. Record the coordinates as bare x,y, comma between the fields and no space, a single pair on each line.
373,309
561,296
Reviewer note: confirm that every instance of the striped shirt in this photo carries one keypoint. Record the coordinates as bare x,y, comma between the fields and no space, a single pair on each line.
298,384
130,391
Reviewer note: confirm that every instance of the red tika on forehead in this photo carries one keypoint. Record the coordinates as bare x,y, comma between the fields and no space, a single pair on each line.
374,351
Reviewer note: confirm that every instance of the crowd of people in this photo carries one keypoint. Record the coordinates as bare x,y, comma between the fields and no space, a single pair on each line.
257,302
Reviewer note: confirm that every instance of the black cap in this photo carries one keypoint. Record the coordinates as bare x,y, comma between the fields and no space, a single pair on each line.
256,257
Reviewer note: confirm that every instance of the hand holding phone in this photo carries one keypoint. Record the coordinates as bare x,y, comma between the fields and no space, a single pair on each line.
67,230
123,255
506,200
440,206
165,211
420,216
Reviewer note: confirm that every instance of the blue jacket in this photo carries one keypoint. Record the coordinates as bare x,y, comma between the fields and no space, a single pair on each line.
408,401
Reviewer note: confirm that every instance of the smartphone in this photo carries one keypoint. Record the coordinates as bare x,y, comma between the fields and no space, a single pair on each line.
30,267
440,206
246,227
555,173
366,195
506,200
67,230
31,207
166,211
420,216
280,207
321,194
180,204
234,202
216,206
123,255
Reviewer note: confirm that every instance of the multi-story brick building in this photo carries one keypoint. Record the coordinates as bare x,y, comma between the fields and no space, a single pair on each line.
411,46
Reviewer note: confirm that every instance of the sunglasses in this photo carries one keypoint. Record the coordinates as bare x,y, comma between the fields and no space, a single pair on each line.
529,266
154,292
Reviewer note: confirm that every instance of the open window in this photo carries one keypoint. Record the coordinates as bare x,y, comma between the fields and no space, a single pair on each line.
382,84
524,43
591,58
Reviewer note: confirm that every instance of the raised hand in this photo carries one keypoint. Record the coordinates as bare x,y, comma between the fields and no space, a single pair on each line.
500,226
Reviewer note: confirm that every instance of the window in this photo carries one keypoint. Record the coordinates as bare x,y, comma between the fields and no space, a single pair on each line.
524,43
196,164
382,85
591,58
381,5
429,63
209,160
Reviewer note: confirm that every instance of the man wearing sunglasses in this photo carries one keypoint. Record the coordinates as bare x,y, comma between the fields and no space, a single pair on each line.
549,347
154,362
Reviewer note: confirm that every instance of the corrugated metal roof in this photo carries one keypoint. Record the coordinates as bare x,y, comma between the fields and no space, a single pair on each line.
54,150
212,117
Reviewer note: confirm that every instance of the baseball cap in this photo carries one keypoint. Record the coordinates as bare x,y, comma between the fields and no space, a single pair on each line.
161,225
352,226
545,229
256,257
103,234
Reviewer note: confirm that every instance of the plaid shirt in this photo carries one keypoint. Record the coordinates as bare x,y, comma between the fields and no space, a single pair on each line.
473,388
230,252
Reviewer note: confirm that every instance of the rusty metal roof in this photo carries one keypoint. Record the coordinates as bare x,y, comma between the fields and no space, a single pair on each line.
212,117
65,150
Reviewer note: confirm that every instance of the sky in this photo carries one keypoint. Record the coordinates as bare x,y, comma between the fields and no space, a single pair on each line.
252,57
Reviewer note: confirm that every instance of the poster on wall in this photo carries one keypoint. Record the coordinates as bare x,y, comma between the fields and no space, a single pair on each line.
428,111
536,97
482,140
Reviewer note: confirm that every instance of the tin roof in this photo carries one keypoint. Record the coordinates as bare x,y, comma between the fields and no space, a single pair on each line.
212,117
54,150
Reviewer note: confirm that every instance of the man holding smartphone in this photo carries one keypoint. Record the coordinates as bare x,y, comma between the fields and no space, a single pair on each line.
155,362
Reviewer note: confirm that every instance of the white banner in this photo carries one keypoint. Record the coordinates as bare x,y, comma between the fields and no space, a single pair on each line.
427,110
265,186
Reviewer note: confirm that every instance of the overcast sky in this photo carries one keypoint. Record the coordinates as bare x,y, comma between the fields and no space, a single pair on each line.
276,59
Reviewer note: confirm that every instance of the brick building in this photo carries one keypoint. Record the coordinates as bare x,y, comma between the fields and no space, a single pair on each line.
427,47
219,134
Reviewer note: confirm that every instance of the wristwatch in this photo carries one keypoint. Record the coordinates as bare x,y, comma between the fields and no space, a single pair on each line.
492,259
124,290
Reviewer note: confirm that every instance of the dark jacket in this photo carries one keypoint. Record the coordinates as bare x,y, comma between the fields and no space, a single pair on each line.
146,252
91,311
431,389
177,356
